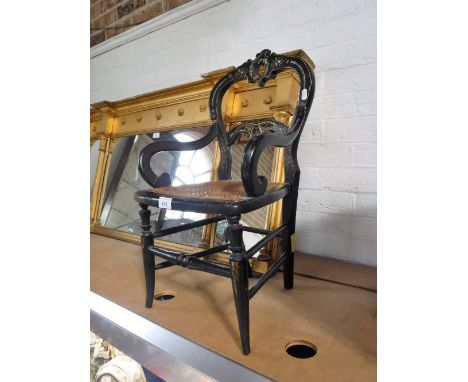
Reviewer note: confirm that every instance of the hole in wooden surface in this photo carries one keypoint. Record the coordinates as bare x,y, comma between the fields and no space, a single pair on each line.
301,349
164,296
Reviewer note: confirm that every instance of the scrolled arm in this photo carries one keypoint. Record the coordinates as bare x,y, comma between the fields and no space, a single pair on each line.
144,161
255,185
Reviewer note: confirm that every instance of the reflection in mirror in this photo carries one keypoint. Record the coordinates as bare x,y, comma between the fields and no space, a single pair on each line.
120,211
93,164
257,218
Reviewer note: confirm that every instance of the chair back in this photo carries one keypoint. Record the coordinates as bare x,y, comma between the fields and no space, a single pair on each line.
264,67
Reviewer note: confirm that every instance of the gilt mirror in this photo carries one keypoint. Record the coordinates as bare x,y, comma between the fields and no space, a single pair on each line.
119,212
119,130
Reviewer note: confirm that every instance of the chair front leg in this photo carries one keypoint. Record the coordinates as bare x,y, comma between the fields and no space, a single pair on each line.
147,240
240,281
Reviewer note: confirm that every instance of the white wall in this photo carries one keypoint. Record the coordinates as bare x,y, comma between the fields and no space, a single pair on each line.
337,202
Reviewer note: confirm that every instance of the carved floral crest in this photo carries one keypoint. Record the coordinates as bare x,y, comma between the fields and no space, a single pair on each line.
262,68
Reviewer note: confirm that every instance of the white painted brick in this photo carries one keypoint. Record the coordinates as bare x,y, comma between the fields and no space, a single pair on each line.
310,222
341,105
362,251
265,6
338,56
313,132
352,250
365,204
332,224
321,244
344,179
325,201
366,102
362,129
341,7
305,12
324,155
369,4
364,154
355,227
364,228
309,182
346,28
369,49
351,79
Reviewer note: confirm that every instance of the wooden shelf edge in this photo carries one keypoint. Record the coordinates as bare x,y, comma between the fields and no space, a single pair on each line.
338,271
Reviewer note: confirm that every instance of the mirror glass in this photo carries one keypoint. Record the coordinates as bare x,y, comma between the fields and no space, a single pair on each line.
257,218
120,211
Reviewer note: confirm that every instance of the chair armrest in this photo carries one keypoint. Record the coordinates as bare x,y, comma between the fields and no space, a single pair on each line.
255,185
144,166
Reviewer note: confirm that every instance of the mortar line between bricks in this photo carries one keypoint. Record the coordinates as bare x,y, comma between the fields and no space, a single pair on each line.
341,191
318,70
341,214
342,142
306,165
327,19
343,41
349,117
344,93
353,116
330,236
359,10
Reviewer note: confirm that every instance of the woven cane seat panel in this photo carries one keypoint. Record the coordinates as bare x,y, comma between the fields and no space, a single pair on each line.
225,190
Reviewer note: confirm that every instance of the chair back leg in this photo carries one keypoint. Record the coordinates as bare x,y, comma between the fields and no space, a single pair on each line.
289,218
147,240
288,265
240,281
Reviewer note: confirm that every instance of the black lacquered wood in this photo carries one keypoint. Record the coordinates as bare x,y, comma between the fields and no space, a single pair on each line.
267,275
261,231
262,134
264,67
187,226
148,258
209,251
188,261
239,278
264,241
144,162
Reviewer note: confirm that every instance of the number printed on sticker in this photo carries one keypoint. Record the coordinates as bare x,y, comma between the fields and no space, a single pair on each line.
165,203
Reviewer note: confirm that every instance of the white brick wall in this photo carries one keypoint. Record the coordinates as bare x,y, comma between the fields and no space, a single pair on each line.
337,203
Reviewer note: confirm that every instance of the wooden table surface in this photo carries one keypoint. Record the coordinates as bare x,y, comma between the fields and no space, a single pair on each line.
339,320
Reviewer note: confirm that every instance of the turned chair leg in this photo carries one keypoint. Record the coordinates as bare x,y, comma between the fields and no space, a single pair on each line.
240,281
147,240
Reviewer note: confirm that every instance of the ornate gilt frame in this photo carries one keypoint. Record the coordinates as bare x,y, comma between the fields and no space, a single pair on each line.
186,106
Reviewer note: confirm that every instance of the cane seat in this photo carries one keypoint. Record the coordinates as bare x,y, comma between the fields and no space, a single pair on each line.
228,195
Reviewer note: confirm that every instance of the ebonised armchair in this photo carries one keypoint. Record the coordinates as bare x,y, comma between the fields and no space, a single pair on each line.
227,199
